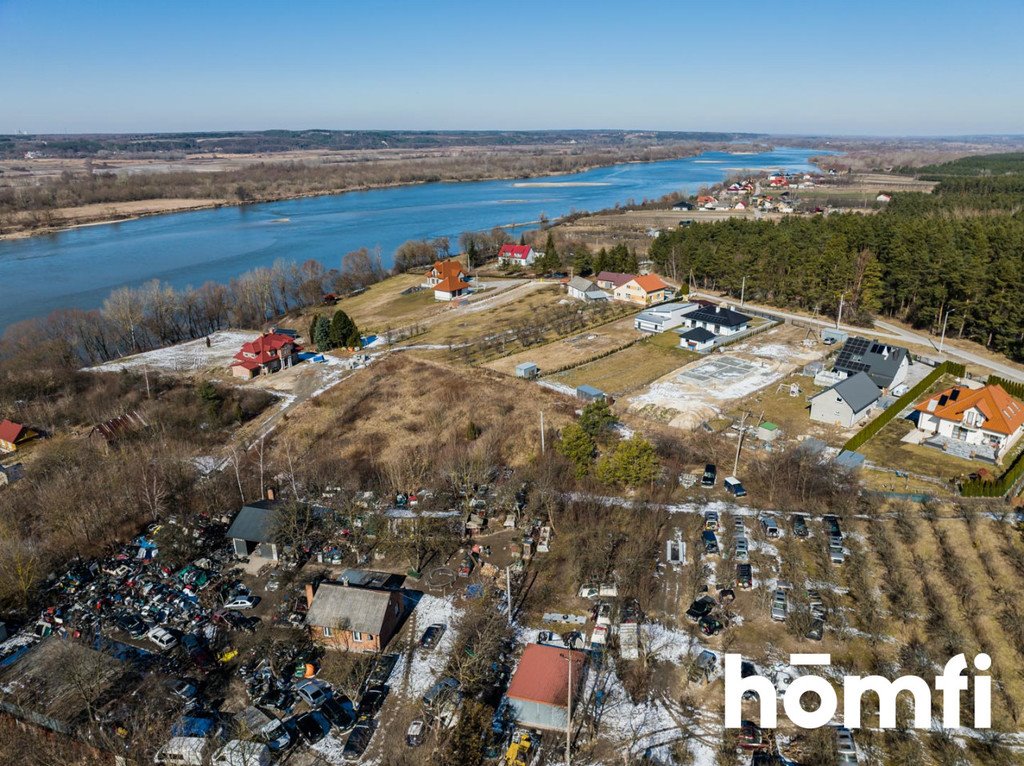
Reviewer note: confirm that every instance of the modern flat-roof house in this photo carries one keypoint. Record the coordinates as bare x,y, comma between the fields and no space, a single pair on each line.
717,319
13,435
886,365
519,255
448,280
584,290
986,417
846,403
353,618
609,280
268,353
663,317
538,694
254,530
644,290
696,339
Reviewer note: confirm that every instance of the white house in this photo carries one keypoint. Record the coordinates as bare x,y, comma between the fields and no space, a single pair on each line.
584,290
696,339
718,320
521,255
663,317
887,365
847,403
985,416
447,279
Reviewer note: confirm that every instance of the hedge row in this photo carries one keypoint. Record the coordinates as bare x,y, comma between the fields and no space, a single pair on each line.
1012,387
876,425
998,487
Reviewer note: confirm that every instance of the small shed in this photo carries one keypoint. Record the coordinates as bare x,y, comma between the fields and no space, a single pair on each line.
834,336
253,531
768,431
539,691
528,370
589,393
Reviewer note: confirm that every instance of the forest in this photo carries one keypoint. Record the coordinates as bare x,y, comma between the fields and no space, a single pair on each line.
959,250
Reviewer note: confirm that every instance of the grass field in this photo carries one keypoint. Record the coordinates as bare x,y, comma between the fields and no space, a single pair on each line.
382,307
791,413
629,369
576,349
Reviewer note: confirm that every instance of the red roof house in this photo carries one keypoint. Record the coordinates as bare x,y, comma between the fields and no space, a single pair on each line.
982,416
268,353
12,434
539,691
523,255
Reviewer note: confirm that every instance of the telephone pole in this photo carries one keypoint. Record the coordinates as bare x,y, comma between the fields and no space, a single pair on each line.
568,714
542,432
942,341
743,290
839,316
739,443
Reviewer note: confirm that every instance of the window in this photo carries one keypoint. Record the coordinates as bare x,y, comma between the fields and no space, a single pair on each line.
327,632
357,636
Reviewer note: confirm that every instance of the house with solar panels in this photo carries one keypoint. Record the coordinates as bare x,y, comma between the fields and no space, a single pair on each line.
886,365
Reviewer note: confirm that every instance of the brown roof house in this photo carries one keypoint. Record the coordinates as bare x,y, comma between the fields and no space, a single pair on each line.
352,618
539,691
13,435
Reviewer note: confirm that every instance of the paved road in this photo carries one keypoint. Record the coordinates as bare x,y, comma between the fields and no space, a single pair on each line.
892,332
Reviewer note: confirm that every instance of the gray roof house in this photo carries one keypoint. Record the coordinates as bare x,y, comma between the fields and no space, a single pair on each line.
721,320
585,290
253,530
665,316
847,402
353,618
886,365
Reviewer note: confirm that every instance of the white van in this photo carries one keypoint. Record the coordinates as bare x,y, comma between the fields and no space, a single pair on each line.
182,751
238,752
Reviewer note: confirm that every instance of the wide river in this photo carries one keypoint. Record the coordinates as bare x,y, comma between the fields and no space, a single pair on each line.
79,267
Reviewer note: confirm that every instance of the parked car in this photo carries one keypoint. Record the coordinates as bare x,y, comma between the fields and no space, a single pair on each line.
770,526
358,741
311,727
800,526
744,576
338,710
701,607
836,554
710,542
817,630
710,475
845,739
131,624
182,689
734,487
710,626
832,525
239,752
313,693
372,701
440,690
242,602
742,549
162,637
711,520
414,734
780,605
432,635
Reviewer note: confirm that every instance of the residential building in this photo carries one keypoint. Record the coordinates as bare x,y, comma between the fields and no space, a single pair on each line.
13,435
518,255
847,403
696,339
986,416
609,280
448,280
886,365
266,354
665,316
353,618
644,290
717,319
538,694
584,290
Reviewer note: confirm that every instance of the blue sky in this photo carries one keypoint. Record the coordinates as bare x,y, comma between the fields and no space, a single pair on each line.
865,67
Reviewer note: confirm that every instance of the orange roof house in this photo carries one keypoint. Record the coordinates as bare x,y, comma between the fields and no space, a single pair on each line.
645,289
986,416
447,279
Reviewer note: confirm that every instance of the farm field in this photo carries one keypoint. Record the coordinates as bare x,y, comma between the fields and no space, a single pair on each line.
627,370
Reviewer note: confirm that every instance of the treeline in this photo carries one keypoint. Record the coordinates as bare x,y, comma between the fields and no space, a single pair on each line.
984,164
960,250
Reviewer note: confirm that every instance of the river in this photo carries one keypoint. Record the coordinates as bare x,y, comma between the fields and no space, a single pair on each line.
80,267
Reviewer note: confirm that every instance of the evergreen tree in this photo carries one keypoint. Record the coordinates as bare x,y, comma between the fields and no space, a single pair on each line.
601,261
581,262
578,447
322,336
471,255
632,463
341,329
312,328
597,418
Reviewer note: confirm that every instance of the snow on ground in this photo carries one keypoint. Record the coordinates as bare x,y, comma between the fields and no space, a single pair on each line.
185,357
415,675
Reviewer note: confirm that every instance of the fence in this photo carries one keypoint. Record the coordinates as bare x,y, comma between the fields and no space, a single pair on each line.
876,425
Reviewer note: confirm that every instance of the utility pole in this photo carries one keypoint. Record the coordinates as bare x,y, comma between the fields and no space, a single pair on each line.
739,443
508,591
542,432
568,715
839,316
743,290
942,341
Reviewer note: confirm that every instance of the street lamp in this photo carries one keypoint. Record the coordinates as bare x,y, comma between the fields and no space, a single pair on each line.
942,340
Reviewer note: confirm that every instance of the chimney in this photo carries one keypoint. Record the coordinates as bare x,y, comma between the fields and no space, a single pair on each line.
271,494
344,581
310,591
718,309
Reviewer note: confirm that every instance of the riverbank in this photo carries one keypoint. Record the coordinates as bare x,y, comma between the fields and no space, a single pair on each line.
25,224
